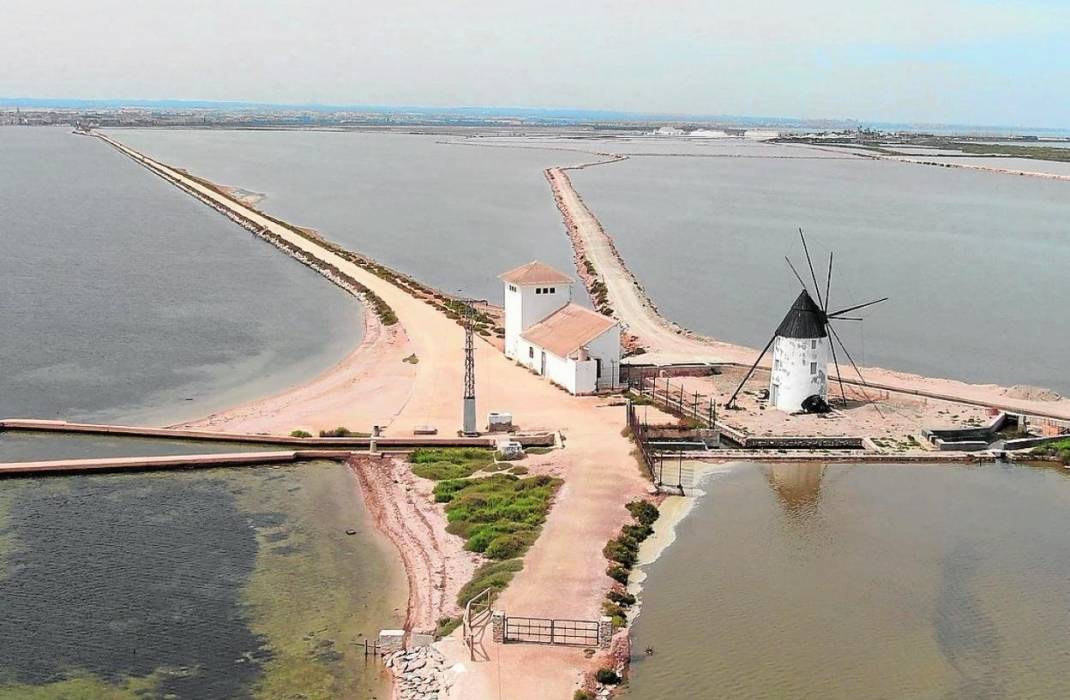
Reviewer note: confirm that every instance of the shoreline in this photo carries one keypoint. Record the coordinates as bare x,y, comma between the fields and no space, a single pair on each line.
588,509
665,342
565,572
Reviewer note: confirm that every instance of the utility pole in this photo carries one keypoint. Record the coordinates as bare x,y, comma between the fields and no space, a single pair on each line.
469,427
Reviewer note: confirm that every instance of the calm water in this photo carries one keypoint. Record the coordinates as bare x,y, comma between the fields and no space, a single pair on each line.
975,263
125,299
209,584
454,216
26,446
797,581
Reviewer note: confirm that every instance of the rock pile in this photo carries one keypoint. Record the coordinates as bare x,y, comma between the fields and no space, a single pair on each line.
417,673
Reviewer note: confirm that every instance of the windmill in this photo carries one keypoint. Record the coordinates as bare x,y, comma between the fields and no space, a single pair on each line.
801,347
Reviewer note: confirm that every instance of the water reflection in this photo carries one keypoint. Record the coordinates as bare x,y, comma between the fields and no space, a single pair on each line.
797,486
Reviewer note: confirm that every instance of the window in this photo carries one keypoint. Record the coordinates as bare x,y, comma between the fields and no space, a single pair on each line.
512,288
531,352
813,368
538,290
552,290
813,344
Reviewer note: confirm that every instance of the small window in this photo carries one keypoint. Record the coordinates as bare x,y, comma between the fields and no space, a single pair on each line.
512,288
813,344
531,352
813,368
553,290
538,290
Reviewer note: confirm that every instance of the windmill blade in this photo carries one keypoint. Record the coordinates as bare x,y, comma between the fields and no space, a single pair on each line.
857,371
836,361
817,287
834,314
753,367
849,318
828,286
788,261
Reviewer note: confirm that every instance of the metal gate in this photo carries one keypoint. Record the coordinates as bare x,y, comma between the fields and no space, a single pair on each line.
540,630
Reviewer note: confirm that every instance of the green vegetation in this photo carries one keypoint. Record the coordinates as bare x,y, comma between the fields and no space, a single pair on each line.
495,575
446,625
500,515
623,552
85,687
582,695
538,450
341,432
1059,448
440,463
300,434
518,469
607,676
1033,152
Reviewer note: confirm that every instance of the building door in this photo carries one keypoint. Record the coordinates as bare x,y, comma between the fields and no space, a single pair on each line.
542,369
773,393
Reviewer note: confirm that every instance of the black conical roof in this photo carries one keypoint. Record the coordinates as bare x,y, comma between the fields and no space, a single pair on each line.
805,320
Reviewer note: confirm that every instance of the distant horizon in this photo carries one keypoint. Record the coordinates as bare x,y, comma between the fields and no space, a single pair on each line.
499,111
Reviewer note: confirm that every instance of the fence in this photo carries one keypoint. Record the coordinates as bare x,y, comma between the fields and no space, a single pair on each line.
541,630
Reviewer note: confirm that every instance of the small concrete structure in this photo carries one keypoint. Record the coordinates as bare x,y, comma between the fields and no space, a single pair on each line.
499,422
510,449
574,347
800,356
391,640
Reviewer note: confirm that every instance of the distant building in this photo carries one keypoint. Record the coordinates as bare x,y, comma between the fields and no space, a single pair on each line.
572,346
669,131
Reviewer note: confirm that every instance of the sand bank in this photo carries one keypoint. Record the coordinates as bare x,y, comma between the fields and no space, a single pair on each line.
564,573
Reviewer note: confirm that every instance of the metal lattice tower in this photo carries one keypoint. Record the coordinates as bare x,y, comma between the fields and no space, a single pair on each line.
469,427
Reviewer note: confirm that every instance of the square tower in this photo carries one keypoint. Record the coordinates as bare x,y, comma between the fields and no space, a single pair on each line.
532,292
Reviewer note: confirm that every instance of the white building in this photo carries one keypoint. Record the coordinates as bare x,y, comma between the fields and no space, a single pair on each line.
800,356
570,345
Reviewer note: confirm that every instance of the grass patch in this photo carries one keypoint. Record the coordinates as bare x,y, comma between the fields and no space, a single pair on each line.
499,516
495,575
441,463
538,450
300,434
1059,448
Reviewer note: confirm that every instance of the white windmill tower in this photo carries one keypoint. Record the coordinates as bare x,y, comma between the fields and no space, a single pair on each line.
802,344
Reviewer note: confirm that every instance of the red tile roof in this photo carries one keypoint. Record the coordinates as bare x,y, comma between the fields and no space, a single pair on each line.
535,272
568,329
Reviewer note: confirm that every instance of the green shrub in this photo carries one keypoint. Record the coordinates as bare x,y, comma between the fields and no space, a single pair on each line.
582,695
438,464
644,512
483,510
618,573
617,551
341,431
518,469
621,598
507,546
607,676
300,434
495,575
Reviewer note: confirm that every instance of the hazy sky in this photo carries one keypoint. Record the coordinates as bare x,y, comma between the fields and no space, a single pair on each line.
961,61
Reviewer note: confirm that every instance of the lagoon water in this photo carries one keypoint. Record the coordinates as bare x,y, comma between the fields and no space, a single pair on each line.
975,263
868,581
452,214
126,299
230,583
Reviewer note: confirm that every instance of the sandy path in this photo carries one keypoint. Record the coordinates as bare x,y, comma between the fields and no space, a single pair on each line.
667,343
564,573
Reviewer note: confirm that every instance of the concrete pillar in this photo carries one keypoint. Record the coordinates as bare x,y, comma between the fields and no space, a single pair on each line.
605,631
497,622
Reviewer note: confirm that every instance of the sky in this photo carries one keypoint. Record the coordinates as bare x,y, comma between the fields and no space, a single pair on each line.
925,61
